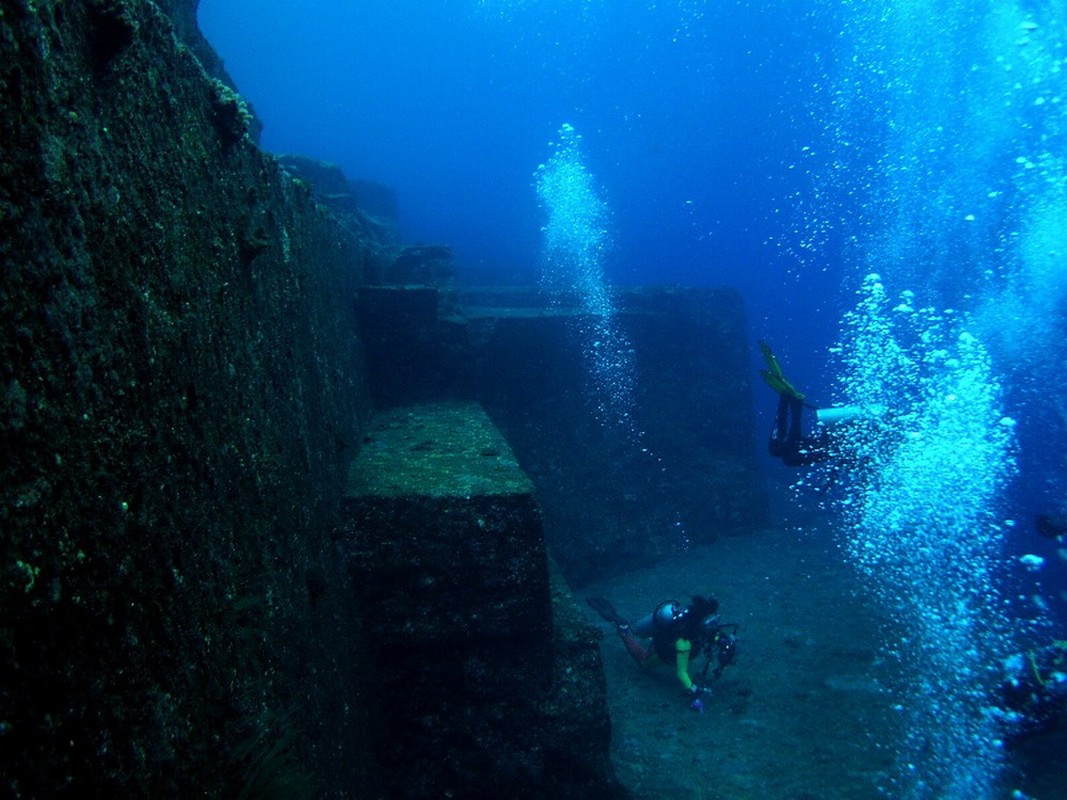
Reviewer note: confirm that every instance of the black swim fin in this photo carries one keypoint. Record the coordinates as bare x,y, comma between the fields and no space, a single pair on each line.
606,610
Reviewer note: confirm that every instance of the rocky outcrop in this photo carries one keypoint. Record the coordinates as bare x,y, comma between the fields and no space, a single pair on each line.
182,14
367,209
182,388
614,499
491,684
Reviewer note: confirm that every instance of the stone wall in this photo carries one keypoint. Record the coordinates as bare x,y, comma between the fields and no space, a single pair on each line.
181,391
183,387
614,497
490,681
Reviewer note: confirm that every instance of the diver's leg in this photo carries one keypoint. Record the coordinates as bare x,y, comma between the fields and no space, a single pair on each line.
781,417
636,650
776,445
796,424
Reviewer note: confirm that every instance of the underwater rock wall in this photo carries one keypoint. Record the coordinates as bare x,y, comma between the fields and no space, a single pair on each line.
682,471
181,383
491,683
184,386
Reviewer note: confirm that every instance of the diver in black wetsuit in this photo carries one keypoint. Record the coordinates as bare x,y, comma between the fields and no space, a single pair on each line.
679,634
1052,526
787,440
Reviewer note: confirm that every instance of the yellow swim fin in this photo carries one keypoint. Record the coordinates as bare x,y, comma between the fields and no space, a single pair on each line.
774,375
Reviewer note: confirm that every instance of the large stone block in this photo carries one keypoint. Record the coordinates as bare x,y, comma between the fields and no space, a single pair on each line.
445,531
490,683
615,497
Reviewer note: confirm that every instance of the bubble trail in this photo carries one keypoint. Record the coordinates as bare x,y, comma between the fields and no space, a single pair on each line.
921,527
576,243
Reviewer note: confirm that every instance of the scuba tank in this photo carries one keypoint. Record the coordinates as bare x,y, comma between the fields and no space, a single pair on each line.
666,616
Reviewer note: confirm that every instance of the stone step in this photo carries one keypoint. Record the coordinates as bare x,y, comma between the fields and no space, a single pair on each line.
489,682
443,532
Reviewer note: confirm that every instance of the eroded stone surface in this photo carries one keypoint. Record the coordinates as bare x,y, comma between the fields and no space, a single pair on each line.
490,683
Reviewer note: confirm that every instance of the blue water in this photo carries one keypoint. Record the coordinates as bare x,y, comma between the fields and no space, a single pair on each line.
885,182
690,116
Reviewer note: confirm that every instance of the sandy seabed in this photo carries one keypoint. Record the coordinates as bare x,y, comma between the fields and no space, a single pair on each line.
807,709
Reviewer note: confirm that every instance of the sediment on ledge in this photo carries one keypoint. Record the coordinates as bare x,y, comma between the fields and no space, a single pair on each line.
490,682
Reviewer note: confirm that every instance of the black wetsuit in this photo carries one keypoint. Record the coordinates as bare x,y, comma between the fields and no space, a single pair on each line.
787,440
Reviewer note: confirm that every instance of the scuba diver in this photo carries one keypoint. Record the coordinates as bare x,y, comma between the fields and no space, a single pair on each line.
679,635
787,440
1032,698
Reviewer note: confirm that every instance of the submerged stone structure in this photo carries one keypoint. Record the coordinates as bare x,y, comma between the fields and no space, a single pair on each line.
198,597
182,389
614,499
490,679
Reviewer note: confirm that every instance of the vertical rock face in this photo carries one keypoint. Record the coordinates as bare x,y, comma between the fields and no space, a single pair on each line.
183,387
614,497
491,685
181,381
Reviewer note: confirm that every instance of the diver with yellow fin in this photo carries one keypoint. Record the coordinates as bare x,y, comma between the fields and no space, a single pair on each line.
787,440
1032,696
774,376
